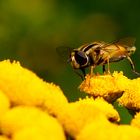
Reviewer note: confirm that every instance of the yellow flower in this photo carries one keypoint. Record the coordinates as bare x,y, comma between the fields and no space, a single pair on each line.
108,131
110,87
23,87
4,103
23,117
136,120
131,95
77,114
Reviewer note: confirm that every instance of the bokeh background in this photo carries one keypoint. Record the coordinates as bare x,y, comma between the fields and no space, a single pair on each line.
31,30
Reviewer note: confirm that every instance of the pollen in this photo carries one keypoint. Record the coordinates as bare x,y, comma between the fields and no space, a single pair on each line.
110,87
78,114
23,87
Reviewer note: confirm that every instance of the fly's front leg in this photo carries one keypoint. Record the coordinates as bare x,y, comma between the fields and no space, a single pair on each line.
132,65
91,70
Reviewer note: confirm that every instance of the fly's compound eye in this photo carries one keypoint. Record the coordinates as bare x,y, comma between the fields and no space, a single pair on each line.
81,58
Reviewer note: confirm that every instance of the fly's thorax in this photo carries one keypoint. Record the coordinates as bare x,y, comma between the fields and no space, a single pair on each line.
88,48
79,59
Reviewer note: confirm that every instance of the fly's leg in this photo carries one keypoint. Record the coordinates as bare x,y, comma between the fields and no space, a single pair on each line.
132,65
104,69
108,68
91,70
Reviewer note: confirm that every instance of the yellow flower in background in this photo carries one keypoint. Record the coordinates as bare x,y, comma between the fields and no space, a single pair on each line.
22,117
108,131
4,103
2,137
110,87
77,114
23,87
131,96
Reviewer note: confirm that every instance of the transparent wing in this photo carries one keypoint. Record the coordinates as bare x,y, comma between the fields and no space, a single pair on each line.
64,53
126,42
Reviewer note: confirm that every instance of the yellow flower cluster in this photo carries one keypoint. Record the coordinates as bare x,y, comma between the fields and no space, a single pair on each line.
106,86
23,87
25,100
37,110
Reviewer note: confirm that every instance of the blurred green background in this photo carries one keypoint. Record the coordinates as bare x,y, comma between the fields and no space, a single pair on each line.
31,30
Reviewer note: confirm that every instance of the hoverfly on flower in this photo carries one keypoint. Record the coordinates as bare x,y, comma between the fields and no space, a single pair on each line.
101,53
